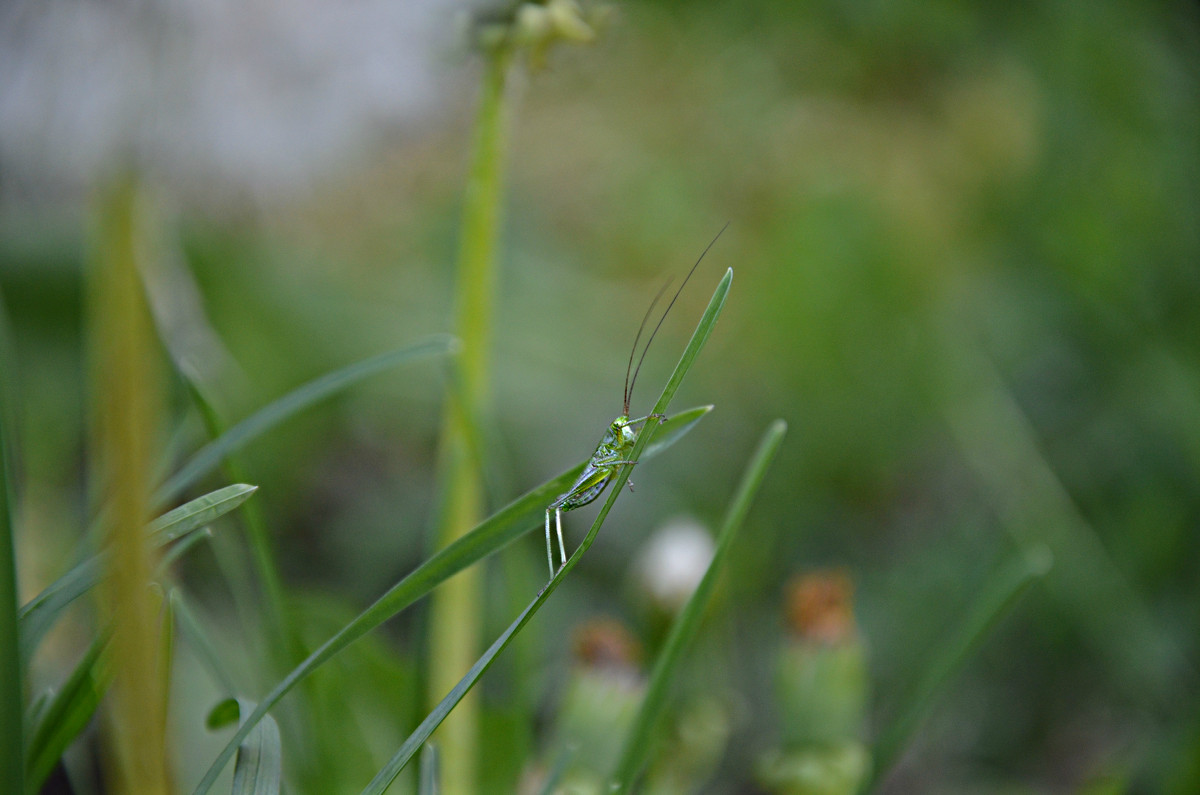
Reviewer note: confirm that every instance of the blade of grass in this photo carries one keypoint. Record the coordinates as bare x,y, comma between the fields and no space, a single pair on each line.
67,714
11,741
491,535
392,769
182,548
555,774
209,456
638,741
40,613
194,634
259,766
166,654
456,625
125,404
427,783
997,597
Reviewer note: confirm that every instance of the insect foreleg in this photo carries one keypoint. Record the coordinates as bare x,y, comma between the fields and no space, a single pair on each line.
655,417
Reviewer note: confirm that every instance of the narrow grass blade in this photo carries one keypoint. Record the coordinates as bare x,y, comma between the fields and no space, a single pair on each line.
259,766
427,783
491,535
401,758
67,714
11,741
37,710
176,552
555,774
672,429
996,598
40,613
196,637
166,656
209,456
199,512
272,631
641,734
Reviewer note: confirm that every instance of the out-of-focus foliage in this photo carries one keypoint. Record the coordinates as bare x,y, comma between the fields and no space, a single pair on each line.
968,276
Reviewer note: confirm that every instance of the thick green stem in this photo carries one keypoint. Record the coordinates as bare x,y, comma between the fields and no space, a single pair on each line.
456,623
126,404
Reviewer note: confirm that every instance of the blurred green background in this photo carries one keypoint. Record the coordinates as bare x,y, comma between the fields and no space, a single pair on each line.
967,273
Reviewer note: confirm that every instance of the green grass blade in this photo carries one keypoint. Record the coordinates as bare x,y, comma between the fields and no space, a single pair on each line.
997,597
637,744
211,455
37,710
67,714
392,769
700,336
195,636
491,535
199,512
427,783
40,613
177,551
11,719
259,766
673,429
556,773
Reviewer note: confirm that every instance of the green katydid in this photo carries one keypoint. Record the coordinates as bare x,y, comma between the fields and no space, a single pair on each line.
617,444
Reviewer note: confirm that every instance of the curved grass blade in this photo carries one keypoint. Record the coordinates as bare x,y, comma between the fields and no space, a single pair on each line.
40,613
67,714
401,758
427,783
259,766
209,456
998,596
494,533
638,741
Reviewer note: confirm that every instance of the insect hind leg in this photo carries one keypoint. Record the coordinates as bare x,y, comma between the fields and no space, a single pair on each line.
562,550
549,546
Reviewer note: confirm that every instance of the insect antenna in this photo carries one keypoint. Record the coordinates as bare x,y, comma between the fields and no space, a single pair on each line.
638,369
633,350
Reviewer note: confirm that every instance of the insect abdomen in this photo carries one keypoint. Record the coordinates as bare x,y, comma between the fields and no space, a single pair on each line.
581,498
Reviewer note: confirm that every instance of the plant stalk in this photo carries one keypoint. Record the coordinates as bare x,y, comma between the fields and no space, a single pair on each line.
457,618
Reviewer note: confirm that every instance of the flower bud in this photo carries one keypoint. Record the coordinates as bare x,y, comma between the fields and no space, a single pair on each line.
821,686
